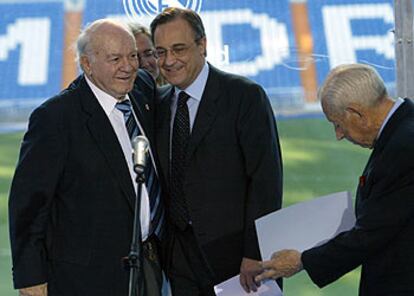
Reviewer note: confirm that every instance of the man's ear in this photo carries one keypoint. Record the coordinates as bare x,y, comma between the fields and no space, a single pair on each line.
202,43
358,113
85,65
354,110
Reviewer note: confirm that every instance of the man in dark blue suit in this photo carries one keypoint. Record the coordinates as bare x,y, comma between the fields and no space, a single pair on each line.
355,101
73,192
219,157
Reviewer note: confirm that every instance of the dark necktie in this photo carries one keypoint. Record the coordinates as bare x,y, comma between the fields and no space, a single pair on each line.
180,136
151,179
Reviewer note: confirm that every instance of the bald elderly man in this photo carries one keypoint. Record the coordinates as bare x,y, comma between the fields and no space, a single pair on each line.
73,192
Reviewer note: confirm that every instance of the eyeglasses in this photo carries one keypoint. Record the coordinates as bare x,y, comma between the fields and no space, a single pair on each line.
147,54
177,51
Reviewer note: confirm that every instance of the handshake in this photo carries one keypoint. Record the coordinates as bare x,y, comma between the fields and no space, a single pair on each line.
284,263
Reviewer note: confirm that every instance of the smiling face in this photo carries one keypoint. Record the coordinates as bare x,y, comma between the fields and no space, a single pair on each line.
111,61
182,67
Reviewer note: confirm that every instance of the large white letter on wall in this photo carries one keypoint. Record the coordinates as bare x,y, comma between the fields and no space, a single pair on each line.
33,37
273,40
342,44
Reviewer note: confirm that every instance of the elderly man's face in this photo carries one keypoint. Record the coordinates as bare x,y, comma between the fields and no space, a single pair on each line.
113,62
350,125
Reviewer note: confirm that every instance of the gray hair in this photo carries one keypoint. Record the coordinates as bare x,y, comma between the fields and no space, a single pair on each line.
85,38
137,28
351,83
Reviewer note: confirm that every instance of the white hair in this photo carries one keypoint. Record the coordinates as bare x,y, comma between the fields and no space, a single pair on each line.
351,83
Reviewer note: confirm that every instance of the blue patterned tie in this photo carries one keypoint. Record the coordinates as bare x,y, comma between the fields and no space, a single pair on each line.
151,179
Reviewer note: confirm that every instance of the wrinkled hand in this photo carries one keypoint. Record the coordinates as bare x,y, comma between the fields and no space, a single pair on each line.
284,263
249,268
39,290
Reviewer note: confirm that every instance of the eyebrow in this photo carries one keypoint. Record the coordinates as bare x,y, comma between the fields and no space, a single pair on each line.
174,45
119,55
113,55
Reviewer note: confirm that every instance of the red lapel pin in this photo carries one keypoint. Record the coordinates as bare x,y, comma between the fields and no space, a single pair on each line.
362,180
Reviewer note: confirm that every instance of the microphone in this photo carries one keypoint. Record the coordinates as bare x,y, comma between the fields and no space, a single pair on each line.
140,146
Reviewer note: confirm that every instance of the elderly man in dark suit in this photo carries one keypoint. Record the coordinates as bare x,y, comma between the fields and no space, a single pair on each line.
355,100
220,158
72,199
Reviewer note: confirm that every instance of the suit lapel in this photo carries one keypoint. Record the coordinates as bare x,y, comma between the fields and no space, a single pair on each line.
142,110
205,117
163,132
392,124
206,113
386,134
102,132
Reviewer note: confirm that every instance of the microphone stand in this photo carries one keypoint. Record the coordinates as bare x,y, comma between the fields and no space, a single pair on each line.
135,256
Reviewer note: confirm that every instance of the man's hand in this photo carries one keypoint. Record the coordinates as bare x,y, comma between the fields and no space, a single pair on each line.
249,268
284,263
39,290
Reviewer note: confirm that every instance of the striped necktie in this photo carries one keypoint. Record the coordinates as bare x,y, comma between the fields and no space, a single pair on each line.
151,179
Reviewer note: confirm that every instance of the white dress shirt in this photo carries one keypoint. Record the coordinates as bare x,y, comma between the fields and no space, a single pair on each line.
195,90
116,117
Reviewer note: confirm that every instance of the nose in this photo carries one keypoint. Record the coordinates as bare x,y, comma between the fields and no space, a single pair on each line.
339,133
146,62
169,58
129,64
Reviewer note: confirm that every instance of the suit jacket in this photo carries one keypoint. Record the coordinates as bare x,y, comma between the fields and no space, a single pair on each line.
382,240
234,168
71,200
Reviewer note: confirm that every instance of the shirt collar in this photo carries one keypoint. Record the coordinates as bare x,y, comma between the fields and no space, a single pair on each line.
195,90
394,108
107,101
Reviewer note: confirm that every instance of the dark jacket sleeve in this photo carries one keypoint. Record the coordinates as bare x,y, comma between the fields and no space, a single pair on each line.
263,164
33,186
385,207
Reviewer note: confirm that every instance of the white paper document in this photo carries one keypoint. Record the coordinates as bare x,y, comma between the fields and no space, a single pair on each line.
305,225
232,287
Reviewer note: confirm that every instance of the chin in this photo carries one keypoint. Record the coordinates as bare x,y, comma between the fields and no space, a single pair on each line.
369,146
153,72
174,82
174,78
123,92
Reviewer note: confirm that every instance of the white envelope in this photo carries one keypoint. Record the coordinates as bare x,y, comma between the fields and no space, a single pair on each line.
305,225
232,287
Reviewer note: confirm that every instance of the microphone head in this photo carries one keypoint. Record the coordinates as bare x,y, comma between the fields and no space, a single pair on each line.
140,146
140,142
